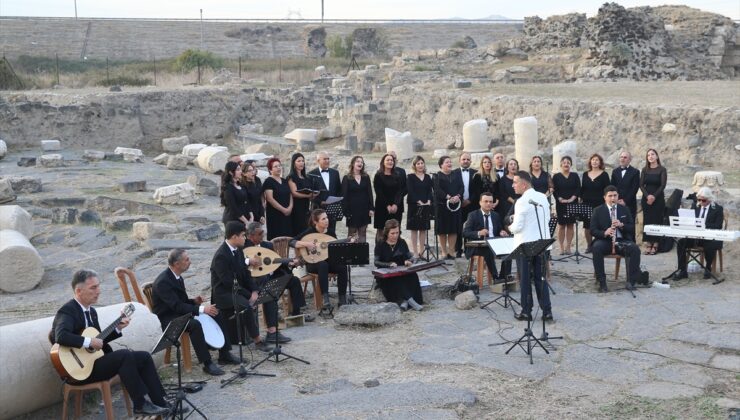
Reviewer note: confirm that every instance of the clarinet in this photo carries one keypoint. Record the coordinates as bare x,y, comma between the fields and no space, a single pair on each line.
614,234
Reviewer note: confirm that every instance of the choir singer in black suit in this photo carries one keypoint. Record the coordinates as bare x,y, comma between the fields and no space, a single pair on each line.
484,224
170,300
327,181
466,173
612,226
627,180
714,217
228,266
135,368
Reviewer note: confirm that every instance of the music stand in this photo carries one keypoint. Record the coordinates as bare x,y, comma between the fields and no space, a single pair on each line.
529,250
171,337
271,291
349,253
580,212
428,252
500,247
334,211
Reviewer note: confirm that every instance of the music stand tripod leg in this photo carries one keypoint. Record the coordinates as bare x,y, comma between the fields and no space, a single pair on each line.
180,396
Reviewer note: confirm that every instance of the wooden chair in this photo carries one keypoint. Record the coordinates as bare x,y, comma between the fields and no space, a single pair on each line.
282,248
718,258
187,358
105,389
480,263
617,261
123,274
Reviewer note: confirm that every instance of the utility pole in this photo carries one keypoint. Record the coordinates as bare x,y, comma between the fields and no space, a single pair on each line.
75,9
201,30
322,11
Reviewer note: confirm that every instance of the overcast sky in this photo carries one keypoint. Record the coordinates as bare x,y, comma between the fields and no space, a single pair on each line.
333,9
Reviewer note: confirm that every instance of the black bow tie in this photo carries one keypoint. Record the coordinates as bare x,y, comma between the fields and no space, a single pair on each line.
465,170
324,170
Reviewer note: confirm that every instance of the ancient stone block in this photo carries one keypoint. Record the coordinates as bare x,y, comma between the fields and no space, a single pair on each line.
299,134
212,159
25,184
203,186
51,145
566,148
162,159
51,161
175,194
132,185
668,128
64,216
208,233
3,149
315,45
368,315
462,84
368,146
401,143
16,218
123,222
418,146
20,263
350,143
518,69
93,155
192,150
129,154
26,161
306,146
178,162
151,230
525,138
475,136
382,91
6,191
175,144
331,132
89,217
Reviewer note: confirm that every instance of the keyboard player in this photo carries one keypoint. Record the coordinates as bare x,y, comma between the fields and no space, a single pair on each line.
392,251
481,225
713,216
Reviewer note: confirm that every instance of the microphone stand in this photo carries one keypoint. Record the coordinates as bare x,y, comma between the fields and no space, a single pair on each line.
545,337
242,371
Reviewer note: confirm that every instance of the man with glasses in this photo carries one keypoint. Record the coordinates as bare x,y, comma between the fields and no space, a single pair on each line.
713,216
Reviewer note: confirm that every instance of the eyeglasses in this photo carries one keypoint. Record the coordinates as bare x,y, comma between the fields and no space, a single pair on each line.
702,200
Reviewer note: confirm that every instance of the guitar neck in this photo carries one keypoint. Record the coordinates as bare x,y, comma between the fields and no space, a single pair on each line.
106,332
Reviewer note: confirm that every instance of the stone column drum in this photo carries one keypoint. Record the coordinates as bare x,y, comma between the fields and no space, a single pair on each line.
401,143
212,158
475,136
21,267
29,380
16,218
525,140
566,148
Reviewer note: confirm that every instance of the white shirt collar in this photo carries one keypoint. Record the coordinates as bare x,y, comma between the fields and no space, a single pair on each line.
84,309
230,247
173,273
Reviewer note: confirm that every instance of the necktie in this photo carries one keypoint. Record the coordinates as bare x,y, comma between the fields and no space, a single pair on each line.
703,211
485,220
88,319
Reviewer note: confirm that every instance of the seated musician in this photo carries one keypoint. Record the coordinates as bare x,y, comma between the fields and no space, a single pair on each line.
481,225
319,223
255,236
135,368
227,267
170,300
713,216
612,228
391,252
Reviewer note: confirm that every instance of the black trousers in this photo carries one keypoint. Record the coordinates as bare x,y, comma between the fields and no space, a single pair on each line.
137,371
526,278
627,249
323,269
710,251
399,289
247,319
464,212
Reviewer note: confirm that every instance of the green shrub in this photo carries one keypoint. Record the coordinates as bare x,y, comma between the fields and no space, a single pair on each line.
458,44
339,47
125,81
191,59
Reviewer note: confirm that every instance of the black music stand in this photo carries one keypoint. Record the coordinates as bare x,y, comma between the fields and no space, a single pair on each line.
530,250
349,253
508,301
171,337
428,253
334,211
580,212
271,291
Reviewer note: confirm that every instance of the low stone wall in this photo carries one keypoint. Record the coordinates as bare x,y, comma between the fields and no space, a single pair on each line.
28,377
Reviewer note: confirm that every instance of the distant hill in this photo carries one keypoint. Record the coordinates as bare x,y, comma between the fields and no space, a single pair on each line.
490,17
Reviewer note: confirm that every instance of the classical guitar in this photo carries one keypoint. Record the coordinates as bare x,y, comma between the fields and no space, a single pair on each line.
77,363
270,259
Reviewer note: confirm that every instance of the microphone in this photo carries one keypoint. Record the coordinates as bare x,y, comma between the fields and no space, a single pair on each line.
534,203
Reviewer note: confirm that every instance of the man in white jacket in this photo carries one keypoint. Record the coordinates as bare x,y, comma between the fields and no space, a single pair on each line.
530,223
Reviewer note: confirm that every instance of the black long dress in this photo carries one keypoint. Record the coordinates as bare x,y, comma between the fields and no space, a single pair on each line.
301,206
278,224
254,199
653,182
592,192
565,188
397,289
357,201
505,191
447,221
419,190
388,190
484,183
236,204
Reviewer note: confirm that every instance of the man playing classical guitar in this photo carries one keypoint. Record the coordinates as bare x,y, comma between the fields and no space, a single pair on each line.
135,368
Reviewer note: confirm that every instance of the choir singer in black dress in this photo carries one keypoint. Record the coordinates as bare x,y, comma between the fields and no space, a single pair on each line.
298,181
357,204
593,182
393,252
233,197
448,191
420,194
389,191
279,201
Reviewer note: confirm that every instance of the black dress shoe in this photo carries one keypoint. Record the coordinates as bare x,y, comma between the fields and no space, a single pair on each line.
521,316
150,409
547,316
680,275
449,257
264,347
308,318
458,254
281,339
213,369
603,289
228,359
707,274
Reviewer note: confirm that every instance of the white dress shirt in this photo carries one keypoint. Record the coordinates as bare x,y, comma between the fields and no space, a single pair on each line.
466,182
325,177
525,227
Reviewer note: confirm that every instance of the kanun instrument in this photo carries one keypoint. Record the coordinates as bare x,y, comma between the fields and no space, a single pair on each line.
387,273
77,363
270,259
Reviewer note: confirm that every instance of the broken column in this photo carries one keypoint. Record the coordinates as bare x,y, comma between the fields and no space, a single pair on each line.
475,136
401,143
20,263
212,158
175,144
712,179
16,218
525,140
566,148
176,194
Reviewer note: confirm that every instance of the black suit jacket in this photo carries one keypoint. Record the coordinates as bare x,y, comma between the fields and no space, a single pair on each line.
224,268
335,185
601,221
627,186
471,171
715,216
170,299
474,224
69,323
401,174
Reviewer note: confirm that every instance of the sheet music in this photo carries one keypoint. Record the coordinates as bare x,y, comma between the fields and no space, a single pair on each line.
686,213
332,199
501,246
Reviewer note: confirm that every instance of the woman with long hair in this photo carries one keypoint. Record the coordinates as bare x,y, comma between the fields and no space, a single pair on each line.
593,182
357,201
253,186
279,201
420,193
233,196
541,179
448,192
319,223
506,193
389,189
653,179
298,181
390,252
485,180
566,187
